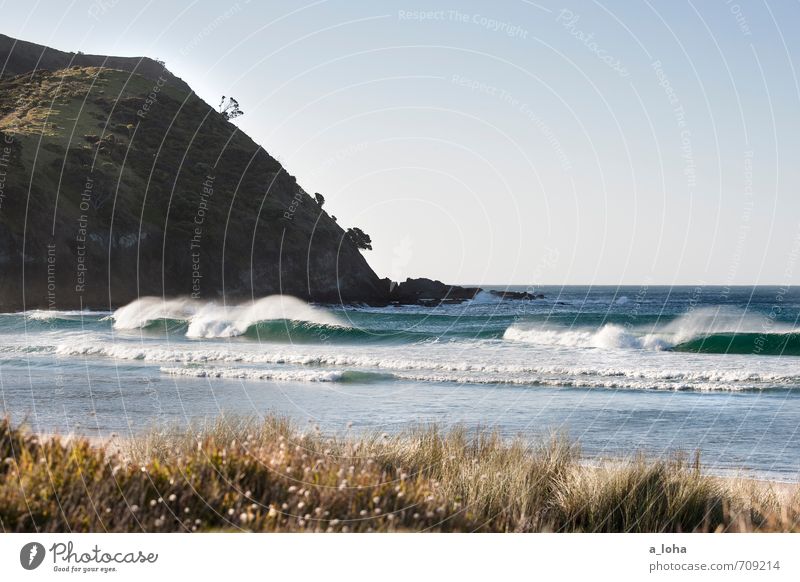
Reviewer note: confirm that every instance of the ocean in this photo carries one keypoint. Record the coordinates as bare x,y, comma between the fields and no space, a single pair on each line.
621,370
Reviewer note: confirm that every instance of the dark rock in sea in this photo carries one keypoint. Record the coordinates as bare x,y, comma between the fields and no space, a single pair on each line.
522,295
119,182
429,292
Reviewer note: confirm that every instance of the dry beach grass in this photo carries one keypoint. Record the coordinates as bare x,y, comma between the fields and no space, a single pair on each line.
266,475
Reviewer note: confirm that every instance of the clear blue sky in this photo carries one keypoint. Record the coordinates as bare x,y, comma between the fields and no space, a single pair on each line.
513,142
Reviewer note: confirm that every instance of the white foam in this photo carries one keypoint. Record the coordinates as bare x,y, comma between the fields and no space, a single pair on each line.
579,382
254,374
454,369
211,320
290,375
48,315
485,297
609,336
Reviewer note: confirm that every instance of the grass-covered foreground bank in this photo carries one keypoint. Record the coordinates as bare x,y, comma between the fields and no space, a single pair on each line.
268,476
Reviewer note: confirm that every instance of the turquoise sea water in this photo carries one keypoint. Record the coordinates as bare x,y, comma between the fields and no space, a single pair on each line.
621,370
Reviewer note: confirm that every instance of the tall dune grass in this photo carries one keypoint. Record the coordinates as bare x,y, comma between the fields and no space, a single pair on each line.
268,476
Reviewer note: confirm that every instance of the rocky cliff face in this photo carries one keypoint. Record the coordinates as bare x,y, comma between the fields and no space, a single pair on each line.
119,182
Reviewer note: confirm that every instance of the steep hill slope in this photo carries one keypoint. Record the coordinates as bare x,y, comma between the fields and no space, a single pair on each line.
115,185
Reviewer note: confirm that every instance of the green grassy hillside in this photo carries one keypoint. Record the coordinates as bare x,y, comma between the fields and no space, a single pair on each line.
113,186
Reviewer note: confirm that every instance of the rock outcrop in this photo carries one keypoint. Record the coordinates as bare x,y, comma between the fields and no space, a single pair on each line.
424,291
517,295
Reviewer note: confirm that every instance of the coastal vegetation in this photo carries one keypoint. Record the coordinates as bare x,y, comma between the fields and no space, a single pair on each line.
359,238
229,108
268,475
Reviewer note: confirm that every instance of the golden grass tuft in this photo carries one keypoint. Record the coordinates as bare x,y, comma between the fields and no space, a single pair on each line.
268,476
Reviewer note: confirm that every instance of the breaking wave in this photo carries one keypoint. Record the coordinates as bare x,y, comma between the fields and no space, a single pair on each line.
710,331
609,336
280,318
211,320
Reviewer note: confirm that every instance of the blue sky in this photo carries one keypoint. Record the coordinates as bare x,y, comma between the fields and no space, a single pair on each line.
515,142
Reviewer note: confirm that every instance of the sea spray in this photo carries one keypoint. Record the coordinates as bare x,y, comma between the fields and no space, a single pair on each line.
211,320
